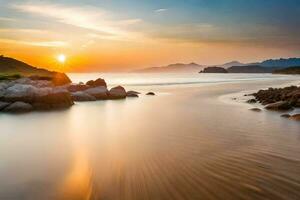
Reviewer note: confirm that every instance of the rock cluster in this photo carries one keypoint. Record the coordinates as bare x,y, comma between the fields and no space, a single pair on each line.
27,94
279,98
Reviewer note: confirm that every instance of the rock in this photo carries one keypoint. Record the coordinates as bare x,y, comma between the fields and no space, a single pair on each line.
251,101
60,79
82,96
150,93
18,107
285,115
23,81
19,92
281,105
132,93
255,109
56,99
3,86
295,117
100,93
289,94
42,84
98,82
77,87
3,105
117,93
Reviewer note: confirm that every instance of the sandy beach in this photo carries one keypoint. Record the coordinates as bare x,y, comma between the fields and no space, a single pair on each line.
191,141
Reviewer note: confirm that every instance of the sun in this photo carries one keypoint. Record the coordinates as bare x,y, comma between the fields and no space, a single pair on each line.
61,58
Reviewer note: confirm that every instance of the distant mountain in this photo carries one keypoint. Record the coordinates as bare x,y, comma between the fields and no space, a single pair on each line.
230,64
173,68
240,69
11,67
289,70
282,62
258,67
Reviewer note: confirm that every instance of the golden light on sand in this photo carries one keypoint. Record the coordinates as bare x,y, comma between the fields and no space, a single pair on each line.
61,58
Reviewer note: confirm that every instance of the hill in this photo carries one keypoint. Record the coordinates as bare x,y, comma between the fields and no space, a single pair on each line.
282,62
289,70
10,68
173,68
230,64
250,69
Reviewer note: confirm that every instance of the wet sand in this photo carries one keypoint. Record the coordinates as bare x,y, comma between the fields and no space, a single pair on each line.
184,143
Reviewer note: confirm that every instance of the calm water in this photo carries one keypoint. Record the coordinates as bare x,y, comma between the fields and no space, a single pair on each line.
190,141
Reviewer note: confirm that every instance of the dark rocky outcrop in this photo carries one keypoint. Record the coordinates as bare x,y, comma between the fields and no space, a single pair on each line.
255,109
280,99
251,101
290,94
214,70
289,70
150,93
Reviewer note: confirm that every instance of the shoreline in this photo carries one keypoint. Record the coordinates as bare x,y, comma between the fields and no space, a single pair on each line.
191,133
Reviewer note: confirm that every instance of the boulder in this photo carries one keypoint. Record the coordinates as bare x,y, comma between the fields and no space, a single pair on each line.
42,83
56,99
98,82
117,93
295,117
100,93
82,96
280,105
132,94
18,107
251,101
150,93
285,115
20,92
77,87
255,109
3,105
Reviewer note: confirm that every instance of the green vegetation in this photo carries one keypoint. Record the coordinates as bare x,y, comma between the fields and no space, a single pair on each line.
4,77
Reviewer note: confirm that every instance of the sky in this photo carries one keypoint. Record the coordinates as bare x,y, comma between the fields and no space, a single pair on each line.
108,35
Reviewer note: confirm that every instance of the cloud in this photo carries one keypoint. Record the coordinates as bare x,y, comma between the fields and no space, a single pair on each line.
87,17
160,10
36,43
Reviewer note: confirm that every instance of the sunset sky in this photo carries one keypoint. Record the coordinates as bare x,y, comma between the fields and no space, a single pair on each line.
112,35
